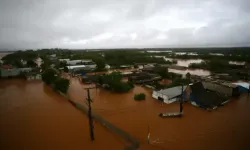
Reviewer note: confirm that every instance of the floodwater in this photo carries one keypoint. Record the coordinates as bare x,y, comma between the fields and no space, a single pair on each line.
33,117
224,128
241,63
199,72
3,54
185,63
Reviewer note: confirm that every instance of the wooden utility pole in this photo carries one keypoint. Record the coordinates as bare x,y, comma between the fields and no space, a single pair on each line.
148,138
91,126
181,99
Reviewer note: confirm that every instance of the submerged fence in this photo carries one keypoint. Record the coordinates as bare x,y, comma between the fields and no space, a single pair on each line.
134,142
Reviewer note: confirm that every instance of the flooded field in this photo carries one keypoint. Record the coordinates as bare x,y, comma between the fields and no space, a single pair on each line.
199,72
33,117
224,128
185,63
3,54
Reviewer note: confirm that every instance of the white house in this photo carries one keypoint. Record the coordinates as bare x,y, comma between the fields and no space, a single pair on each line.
81,67
169,95
64,60
38,61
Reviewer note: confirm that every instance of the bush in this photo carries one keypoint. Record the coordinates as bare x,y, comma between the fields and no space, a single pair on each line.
61,85
139,97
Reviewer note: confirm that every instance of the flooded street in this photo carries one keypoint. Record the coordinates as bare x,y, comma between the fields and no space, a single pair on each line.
33,117
224,128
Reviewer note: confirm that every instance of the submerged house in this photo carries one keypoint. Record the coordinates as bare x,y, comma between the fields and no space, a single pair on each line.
34,76
199,96
222,87
9,71
170,95
243,86
143,77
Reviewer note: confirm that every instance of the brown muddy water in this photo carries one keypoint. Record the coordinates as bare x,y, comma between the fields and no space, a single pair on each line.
228,127
33,117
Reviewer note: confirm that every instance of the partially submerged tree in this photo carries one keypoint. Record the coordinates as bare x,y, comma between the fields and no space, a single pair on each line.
61,85
114,83
31,63
139,97
100,64
188,75
49,76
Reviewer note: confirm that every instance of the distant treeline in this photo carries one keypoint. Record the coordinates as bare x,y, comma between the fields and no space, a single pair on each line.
117,57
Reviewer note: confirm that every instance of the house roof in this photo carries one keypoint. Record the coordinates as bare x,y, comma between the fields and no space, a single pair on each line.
172,92
243,84
205,98
77,66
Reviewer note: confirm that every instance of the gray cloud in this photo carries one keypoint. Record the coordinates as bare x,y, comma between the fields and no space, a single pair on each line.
126,23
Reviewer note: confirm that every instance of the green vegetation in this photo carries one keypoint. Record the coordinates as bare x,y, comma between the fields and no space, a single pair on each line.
49,76
61,85
100,64
114,83
188,75
31,64
215,65
162,71
139,97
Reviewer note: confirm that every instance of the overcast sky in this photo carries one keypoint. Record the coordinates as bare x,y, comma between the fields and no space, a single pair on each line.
123,23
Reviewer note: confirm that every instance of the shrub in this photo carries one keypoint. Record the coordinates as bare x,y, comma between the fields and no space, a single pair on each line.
139,97
61,85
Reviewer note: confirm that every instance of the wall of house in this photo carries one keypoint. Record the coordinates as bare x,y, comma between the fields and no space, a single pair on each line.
10,72
34,77
156,95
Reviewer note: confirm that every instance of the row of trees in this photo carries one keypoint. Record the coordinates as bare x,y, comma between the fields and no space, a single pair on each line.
215,65
114,82
52,77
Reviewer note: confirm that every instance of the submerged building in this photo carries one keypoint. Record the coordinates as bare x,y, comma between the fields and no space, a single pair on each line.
199,96
222,87
170,95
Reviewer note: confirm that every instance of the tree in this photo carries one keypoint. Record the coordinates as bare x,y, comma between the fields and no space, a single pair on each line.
61,85
139,97
18,64
46,63
162,71
114,82
49,76
100,64
31,63
188,75
66,69
136,66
